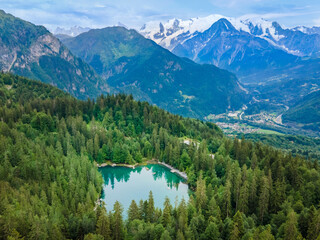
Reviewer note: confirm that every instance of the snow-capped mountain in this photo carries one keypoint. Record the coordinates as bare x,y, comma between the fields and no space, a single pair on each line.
294,41
307,30
243,45
72,32
177,31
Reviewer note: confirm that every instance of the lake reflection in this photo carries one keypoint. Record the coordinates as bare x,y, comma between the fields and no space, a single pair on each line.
126,184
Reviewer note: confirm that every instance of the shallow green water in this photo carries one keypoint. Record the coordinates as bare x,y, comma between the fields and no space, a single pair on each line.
126,184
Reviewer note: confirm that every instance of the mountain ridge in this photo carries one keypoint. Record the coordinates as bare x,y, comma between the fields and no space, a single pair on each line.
133,64
176,31
32,51
253,48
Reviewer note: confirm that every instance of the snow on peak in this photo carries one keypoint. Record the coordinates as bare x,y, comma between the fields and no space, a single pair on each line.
170,33
163,33
262,28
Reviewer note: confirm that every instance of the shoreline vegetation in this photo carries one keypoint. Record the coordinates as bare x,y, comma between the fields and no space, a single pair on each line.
153,161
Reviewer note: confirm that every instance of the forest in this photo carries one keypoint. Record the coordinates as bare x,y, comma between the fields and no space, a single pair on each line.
308,147
50,184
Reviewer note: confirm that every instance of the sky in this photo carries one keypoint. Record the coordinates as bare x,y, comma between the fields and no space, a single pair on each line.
134,13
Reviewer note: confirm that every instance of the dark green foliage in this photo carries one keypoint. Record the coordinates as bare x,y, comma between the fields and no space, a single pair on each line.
138,66
298,145
306,112
49,184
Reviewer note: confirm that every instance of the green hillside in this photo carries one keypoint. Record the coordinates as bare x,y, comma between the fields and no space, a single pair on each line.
49,183
132,64
297,145
306,112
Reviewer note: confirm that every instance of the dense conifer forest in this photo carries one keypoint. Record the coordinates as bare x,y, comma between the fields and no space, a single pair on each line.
50,184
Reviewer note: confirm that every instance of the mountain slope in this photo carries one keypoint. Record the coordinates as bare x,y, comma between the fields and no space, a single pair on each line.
32,51
238,51
299,41
253,48
306,112
133,64
50,184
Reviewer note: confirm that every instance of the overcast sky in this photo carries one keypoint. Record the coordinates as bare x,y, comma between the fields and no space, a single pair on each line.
133,13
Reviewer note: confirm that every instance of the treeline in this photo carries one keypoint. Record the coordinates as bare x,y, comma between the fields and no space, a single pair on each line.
49,183
304,146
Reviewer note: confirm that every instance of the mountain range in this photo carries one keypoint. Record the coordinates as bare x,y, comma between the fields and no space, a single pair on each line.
117,59
133,64
253,48
71,32
113,60
301,41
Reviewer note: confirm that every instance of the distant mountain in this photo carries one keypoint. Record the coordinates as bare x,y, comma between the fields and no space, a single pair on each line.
32,51
133,64
237,51
245,46
306,112
62,36
307,30
301,41
72,32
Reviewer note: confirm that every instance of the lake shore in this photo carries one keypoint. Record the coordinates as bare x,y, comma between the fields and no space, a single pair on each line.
153,161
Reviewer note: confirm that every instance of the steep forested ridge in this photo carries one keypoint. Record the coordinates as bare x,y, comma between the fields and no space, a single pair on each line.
49,183
305,112
138,66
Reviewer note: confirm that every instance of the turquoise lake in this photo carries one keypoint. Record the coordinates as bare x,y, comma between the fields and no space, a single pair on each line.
127,184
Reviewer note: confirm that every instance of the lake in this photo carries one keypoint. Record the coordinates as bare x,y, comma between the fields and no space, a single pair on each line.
127,184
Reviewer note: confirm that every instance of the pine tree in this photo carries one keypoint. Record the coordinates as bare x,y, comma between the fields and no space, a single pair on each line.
214,209
227,199
244,197
182,215
201,193
165,236
133,211
117,223
314,227
264,198
291,227
103,225
263,233
238,223
166,217
212,232
150,211
180,235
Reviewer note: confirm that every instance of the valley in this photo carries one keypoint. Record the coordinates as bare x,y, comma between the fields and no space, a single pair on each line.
228,107
263,121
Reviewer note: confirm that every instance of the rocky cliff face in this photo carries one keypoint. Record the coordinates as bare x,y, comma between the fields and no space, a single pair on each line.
32,51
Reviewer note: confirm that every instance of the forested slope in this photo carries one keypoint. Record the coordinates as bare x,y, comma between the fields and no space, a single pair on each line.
49,183
134,65
306,112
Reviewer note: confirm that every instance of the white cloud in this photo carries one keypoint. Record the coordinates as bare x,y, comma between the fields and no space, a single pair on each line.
133,13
